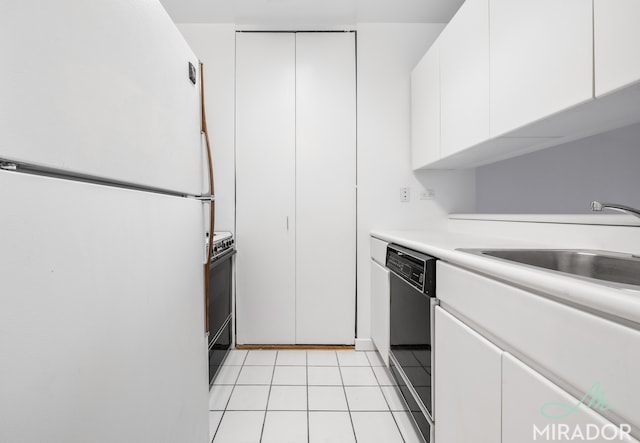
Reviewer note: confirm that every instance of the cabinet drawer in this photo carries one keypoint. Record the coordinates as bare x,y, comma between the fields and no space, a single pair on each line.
378,251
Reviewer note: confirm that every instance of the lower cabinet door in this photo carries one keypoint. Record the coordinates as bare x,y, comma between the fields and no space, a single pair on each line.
467,403
380,310
535,409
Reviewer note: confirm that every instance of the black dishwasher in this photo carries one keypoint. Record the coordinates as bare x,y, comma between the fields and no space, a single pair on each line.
413,300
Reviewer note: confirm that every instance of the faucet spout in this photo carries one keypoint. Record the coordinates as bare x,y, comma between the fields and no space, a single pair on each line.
598,206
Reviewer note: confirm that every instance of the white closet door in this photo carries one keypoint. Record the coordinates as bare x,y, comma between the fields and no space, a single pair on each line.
325,188
265,193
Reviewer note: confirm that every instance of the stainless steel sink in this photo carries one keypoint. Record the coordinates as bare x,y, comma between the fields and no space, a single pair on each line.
623,269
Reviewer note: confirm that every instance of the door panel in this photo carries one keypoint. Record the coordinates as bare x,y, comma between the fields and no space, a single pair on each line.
464,78
616,36
467,383
265,187
536,73
101,314
325,187
380,302
105,93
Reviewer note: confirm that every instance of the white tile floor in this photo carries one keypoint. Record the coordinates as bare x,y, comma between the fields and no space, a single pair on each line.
307,397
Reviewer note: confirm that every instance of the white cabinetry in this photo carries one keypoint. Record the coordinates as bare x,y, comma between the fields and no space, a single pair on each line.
295,150
380,300
527,395
616,39
557,339
517,76
541,60
325,187
425,109
265,188
467,405
464,78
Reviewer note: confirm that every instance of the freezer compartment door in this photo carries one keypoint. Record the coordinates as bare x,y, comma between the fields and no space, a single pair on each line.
100,88
101,314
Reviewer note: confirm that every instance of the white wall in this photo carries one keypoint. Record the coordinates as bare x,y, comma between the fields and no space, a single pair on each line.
215,47
566,178
387,54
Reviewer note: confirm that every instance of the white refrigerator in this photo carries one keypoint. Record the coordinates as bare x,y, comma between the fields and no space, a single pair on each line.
102,319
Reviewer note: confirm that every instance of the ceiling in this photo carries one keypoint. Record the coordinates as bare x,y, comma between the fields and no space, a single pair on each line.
289,13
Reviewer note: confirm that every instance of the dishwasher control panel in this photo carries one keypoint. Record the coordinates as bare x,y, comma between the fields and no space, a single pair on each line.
416,268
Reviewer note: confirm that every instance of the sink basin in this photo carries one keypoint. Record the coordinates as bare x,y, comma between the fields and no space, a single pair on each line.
612,267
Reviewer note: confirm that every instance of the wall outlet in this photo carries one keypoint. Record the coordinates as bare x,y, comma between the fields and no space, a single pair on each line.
427,194
404,194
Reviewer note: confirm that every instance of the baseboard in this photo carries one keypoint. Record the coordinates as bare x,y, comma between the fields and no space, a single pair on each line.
296,347
364,344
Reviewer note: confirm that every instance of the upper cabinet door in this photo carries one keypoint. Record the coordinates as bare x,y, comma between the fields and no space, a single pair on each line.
616,41
425,109
464,69
541,59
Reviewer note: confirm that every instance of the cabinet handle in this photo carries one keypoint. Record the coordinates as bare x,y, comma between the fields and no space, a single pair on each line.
287,222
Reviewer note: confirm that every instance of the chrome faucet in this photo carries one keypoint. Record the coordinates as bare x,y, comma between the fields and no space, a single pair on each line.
597,206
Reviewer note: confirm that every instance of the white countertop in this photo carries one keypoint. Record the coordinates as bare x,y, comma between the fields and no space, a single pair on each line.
617,302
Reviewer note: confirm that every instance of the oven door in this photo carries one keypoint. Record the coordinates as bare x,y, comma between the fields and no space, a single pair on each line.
220,290
411,342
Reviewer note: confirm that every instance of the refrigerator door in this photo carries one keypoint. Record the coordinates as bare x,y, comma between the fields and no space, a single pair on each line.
100,88
101,314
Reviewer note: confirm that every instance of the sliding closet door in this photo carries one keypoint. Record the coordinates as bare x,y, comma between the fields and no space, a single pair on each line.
265,188
325,188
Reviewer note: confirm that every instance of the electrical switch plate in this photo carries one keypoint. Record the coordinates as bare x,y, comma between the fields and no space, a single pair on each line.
404,194
427,194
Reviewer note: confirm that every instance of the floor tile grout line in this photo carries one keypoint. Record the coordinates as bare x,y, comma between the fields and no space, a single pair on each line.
218,427
226,405
266,408
344,391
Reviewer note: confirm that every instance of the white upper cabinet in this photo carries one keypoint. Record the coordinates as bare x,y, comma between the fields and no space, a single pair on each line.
464,78
616,40
515,76
541,60
425,109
